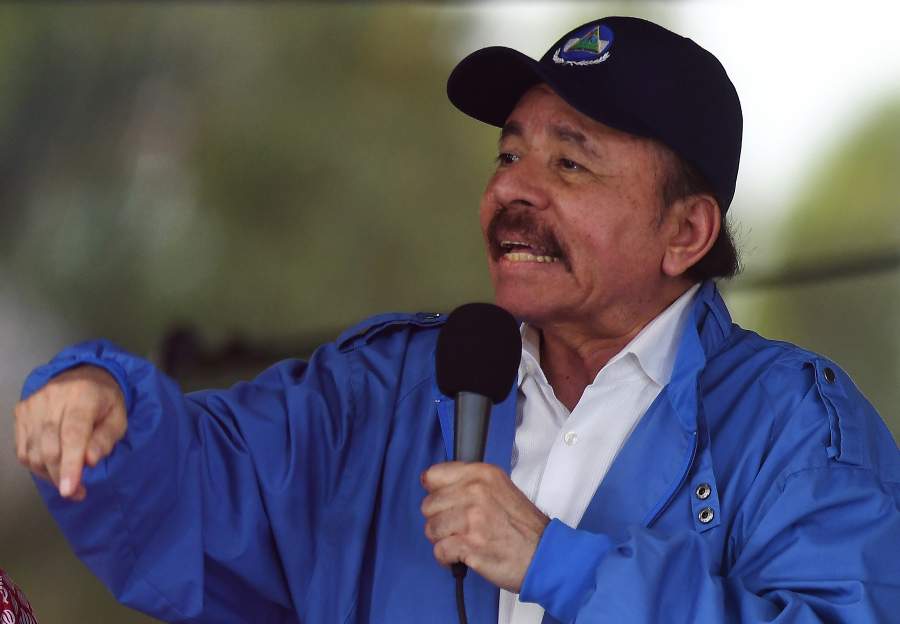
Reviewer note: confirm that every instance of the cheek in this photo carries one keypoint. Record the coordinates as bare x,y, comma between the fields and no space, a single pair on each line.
601,246
486,211
484,220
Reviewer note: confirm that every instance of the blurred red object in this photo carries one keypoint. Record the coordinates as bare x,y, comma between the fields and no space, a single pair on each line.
14,607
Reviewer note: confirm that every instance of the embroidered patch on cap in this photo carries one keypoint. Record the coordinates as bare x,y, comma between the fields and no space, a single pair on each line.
587,47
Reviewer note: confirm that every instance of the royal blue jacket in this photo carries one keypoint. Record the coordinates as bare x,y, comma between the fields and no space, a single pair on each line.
760,486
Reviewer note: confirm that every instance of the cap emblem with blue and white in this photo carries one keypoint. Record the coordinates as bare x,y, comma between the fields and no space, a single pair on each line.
588,46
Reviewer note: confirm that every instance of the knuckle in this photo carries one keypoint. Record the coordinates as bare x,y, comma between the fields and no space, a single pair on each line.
84,402
34,459
475,518
101,438
477,540
49,429
22,412
100,448
54,389
120,424
75,426
51,453
73,435
478,490
441,551
103,448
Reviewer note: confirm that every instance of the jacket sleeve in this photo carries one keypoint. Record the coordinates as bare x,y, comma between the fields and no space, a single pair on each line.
176,522
817,544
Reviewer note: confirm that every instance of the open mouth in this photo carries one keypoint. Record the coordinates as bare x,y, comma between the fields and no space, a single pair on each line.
520,251
517,236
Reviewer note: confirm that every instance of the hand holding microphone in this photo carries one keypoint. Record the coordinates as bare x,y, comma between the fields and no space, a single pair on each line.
474,513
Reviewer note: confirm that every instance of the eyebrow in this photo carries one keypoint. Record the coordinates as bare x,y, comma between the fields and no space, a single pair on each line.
509,129
562,132
577,138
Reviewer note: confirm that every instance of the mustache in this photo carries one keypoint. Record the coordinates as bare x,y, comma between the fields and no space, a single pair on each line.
524,222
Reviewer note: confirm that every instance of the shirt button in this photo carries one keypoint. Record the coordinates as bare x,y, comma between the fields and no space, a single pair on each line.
571,438
706,515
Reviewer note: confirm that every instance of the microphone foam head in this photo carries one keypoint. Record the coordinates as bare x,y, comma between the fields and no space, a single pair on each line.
478,351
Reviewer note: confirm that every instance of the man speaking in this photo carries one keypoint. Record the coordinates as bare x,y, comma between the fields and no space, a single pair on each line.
651,461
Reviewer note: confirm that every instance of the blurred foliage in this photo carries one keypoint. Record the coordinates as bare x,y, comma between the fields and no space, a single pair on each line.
850,209
240,168
237,167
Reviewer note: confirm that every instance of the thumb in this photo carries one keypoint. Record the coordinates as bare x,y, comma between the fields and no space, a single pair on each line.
106,433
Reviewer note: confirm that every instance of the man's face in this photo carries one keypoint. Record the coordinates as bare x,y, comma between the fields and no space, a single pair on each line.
571,217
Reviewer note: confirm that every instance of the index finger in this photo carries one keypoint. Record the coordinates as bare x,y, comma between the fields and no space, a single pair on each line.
74,434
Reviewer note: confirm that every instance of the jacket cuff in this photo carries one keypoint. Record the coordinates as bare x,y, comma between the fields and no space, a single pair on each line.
95,353
563,570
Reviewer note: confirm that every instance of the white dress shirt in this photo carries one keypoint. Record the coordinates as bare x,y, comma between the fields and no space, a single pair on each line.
559,458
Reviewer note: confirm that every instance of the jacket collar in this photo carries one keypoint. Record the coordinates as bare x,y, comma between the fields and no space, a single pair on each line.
653,464
705,333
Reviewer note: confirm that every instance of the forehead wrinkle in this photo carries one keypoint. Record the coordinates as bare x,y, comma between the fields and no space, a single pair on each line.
561,131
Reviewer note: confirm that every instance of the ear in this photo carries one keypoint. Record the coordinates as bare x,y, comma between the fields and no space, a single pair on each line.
694,224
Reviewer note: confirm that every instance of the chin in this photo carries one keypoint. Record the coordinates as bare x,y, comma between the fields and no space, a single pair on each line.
525,306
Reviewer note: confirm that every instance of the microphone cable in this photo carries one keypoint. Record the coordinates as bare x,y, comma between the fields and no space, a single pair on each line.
459,573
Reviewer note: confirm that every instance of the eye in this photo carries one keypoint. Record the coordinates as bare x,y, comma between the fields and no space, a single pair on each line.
506,158
569,165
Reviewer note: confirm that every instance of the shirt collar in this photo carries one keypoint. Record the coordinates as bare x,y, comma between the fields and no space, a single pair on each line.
654,348
657,344
530,364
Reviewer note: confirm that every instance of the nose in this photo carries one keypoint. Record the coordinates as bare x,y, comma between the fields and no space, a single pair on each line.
521,183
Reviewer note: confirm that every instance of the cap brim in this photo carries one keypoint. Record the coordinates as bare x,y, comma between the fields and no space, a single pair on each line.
488,83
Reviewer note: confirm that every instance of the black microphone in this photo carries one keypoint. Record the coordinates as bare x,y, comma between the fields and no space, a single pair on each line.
477,359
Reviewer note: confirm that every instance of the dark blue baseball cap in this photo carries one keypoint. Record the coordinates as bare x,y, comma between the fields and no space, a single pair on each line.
629,74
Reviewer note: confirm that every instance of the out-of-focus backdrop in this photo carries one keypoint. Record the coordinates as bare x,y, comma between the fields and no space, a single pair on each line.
259,176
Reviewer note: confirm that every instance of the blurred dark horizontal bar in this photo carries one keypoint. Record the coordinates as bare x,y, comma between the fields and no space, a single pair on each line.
184,355
820,271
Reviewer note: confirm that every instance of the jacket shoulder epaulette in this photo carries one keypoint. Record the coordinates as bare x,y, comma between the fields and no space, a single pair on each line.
849,414
364,332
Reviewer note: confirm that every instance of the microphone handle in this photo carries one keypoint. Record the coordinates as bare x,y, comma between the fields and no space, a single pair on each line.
470,425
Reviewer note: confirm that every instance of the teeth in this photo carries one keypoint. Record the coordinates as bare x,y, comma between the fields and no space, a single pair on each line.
527,257
510,243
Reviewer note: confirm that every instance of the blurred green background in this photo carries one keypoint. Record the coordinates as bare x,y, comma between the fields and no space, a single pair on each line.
279,171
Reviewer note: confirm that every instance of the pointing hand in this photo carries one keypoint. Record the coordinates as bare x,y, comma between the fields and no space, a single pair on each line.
75,419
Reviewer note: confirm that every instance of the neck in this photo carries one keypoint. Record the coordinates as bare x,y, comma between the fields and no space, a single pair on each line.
572,354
